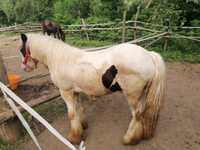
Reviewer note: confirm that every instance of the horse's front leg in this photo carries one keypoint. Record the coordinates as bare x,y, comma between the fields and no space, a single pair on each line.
74,115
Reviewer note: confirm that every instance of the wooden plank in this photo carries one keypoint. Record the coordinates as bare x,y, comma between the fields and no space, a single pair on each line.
3,72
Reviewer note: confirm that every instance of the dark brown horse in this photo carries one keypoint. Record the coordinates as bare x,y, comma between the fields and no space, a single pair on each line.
52,27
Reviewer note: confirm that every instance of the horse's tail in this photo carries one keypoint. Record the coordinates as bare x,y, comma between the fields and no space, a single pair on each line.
154,95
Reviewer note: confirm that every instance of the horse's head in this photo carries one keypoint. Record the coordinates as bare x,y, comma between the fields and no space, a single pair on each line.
28,63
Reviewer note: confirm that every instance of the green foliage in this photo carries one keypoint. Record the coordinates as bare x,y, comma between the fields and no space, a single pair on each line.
68,11
61,13
178,12
7,7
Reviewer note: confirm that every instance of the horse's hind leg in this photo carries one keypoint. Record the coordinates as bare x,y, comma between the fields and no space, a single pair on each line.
58,34
135,130
54,34
74,115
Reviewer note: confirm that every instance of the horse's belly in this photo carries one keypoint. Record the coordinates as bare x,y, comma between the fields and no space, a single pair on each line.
61,83
90,83
80,77
90,90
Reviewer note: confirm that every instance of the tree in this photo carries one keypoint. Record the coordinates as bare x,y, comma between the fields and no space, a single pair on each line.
7,7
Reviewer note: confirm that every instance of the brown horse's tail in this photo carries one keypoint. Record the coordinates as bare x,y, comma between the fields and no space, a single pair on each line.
154,95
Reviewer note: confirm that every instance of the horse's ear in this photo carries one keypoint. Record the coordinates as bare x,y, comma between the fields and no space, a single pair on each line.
24,37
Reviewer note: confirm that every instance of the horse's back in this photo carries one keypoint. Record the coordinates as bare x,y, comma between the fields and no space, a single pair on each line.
128,58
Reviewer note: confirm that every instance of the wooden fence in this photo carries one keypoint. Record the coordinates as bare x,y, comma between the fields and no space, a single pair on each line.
138,29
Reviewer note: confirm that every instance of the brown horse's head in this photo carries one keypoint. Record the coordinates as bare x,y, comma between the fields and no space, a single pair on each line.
28,63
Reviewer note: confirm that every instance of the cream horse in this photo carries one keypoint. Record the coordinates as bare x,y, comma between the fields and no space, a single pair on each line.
137,73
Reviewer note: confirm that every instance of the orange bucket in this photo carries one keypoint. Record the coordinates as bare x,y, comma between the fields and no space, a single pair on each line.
14,80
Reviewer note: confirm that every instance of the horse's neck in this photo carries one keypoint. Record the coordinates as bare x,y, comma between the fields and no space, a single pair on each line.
54,54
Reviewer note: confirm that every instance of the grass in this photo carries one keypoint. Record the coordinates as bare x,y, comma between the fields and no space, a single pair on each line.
178,55
8,34
4,145
191,57
87,43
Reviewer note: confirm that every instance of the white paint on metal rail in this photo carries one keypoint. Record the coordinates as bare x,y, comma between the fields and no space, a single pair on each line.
15,98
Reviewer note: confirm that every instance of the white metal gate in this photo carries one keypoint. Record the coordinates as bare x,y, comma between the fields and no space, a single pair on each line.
12,98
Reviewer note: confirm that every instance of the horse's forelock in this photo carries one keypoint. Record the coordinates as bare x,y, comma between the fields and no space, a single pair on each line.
23,47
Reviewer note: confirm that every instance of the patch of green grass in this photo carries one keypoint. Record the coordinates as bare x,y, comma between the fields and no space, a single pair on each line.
55,107
50,110
4,145
8,34
175,55
87,43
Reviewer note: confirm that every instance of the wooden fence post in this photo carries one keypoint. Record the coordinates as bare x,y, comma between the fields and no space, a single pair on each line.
83,22
124,26
135,22
11,129
166,38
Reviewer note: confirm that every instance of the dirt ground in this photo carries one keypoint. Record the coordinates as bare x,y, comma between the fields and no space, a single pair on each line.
108,116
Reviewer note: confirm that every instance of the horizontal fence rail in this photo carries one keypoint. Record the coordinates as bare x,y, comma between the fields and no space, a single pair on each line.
88,29
36,26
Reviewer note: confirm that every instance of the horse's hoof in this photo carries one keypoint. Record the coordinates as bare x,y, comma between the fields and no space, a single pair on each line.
74,138
128,141
135,137
84,124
